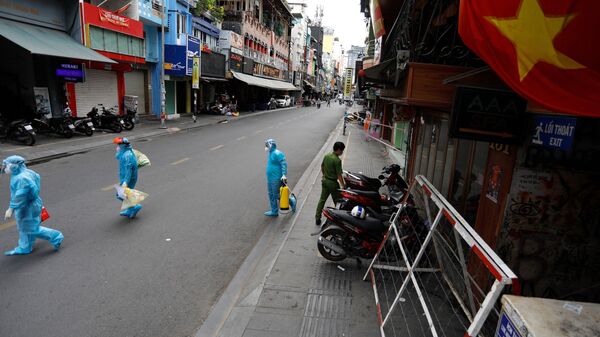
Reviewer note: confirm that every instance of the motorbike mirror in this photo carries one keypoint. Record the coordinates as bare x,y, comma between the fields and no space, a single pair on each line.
381,177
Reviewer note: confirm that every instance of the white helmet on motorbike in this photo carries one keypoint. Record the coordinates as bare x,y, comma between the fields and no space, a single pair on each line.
358,212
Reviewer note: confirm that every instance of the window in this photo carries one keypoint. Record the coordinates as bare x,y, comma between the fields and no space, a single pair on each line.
123,44
181,24
110,41
106,40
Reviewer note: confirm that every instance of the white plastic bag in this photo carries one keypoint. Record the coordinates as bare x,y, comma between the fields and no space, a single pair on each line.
132,197
141,158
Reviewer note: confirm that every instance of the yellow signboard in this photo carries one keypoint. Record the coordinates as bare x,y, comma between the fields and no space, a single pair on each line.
348,83
196,73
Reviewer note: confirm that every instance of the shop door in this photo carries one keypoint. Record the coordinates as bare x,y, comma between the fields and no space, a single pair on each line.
492,202
100,87
135,86
181,97
496,185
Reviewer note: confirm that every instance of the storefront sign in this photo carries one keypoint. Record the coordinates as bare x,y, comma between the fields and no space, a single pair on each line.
270,71
99,17
506,328
237,51
378,44
71,72
48,13
487,115
213,65
193,50
555,132
248,66
106,16
236,62
196,73
175,60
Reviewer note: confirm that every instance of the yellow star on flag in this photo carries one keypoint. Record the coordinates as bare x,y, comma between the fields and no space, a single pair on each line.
532,34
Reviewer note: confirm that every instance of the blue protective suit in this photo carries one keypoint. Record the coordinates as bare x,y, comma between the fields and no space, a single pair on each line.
276,168
27,205
128,173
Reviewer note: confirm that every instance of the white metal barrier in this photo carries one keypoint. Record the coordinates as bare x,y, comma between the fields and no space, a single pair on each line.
433,275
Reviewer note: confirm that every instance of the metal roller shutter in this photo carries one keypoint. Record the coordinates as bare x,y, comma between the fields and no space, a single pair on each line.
100,87
134,85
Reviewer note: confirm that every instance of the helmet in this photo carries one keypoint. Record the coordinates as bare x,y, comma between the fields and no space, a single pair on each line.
121,140
358,212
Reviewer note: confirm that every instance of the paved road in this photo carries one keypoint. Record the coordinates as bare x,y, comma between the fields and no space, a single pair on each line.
159,274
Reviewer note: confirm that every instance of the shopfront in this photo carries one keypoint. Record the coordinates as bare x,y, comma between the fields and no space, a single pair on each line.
40,58
122,40
179,65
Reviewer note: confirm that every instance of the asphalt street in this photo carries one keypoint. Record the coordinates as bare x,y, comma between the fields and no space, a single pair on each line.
159,274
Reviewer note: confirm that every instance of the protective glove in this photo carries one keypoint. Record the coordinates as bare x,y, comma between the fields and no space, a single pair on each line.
8,214
284,179
124,185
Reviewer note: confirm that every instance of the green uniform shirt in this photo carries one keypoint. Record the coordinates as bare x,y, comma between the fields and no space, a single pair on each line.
332,166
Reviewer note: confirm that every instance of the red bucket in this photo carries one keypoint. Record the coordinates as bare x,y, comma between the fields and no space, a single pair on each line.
45,215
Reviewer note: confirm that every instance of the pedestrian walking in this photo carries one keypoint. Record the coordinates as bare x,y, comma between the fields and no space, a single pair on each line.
328,102
332,179
276,175
128,172
26,205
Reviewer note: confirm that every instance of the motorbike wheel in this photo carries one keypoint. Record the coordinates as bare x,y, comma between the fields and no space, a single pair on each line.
336,236
23,137
88,131
128,124
66,132
116,127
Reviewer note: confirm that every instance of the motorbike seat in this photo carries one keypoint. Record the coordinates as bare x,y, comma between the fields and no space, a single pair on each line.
374,182
369,224
369,194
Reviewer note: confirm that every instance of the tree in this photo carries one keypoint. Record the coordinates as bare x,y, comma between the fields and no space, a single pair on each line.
211,7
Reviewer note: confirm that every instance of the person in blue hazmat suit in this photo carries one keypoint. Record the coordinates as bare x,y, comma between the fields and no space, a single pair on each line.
276,171
26,205
128,171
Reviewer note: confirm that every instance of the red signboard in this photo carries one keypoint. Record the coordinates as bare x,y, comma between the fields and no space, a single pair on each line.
99,17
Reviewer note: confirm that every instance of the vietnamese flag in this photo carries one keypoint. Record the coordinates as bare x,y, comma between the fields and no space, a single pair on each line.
546,50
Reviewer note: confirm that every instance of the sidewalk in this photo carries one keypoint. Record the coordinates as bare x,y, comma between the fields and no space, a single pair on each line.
303,294
51,146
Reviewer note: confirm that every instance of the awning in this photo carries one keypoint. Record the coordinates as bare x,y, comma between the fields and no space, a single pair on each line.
213,79
263,82
45,41
377,74
306,83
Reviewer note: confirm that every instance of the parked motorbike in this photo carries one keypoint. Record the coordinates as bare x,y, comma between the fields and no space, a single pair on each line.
106,121
344,235
59,125
128,119
214,108
19,130
390,175
82,125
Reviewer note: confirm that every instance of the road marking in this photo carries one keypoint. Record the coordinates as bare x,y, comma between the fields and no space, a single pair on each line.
7,225
217,147
289,120
270,127
108,188
241,138
259,131
180,161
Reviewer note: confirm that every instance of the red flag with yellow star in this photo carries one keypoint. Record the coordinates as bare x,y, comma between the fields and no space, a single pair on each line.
546,50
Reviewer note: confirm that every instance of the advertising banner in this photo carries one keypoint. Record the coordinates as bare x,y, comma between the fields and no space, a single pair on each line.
196,73
193,50
348,83
175,60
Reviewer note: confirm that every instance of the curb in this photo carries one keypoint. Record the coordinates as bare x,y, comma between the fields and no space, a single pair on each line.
34,160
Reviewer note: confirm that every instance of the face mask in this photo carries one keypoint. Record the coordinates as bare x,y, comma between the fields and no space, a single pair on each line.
118,148
266,149
8,169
